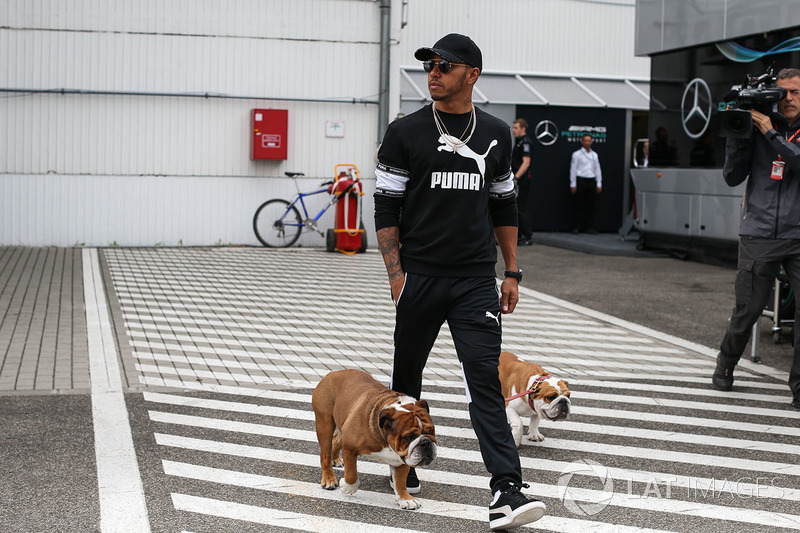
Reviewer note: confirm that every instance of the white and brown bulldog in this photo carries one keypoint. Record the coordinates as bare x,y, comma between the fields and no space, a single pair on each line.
531,391
370,419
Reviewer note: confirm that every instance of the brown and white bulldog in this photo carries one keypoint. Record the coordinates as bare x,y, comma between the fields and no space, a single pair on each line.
538,395
370,419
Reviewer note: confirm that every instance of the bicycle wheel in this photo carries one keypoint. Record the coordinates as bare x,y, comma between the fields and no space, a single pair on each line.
277,223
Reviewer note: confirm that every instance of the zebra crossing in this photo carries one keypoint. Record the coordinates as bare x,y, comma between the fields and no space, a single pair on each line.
229,344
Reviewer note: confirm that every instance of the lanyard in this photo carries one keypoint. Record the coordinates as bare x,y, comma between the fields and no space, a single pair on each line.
790,140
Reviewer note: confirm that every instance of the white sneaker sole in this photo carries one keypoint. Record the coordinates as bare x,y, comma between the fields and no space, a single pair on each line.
411,490
530,512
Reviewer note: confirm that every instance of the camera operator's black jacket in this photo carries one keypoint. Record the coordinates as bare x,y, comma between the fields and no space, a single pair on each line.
772,207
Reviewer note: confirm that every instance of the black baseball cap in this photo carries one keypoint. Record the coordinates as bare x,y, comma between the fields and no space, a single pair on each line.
454,47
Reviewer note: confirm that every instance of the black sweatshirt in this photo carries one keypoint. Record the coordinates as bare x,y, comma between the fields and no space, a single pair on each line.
444,202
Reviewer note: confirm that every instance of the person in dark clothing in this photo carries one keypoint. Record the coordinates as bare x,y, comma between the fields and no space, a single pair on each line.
521,167
769,234
444,192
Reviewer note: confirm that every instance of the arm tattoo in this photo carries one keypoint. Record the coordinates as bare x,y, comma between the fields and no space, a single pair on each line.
389,243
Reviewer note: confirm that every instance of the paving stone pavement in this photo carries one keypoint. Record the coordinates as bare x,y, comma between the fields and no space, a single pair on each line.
42,320
210,315
266,317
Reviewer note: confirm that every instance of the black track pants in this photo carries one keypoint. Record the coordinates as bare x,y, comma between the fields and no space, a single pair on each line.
760,260
471,308
585,195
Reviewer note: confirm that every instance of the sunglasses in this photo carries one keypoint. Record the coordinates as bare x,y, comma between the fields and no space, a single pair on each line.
445,66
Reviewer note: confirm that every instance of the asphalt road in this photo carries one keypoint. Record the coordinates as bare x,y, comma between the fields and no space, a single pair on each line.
686,299
48,477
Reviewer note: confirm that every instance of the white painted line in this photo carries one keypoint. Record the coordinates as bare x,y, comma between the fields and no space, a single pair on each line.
641,358
739,443
599,428
136,308
280,385
684,484
770,467
242,365
687,391
122,503
152,349
677,341
687,405
274,517
652,454
156,319
733,425
627,345
701,378
684,405
321,307
440,359
376,499
619,499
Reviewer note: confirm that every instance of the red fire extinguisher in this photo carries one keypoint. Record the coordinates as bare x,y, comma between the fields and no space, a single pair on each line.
347,235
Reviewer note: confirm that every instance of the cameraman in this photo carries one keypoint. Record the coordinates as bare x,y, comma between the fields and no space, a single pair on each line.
769,235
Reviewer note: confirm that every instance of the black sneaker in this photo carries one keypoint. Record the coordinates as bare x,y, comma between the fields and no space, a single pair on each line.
510,508
412,481
722,378
796,401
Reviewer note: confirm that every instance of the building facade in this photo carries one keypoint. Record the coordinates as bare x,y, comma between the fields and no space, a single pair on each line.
701,54
129,123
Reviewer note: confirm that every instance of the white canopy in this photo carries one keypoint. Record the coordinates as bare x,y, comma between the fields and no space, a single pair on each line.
540,89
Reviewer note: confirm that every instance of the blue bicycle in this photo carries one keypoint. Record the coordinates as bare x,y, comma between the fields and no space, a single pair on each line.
278,222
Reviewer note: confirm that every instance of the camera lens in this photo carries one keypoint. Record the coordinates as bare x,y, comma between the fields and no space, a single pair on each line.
735,123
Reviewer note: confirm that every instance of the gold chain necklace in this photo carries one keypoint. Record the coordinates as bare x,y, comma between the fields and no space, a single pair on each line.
444,135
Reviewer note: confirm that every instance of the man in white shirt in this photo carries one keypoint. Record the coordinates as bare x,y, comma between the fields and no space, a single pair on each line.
585,182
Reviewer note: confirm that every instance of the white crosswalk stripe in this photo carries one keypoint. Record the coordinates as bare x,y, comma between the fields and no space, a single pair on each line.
230,343
436,509
271,517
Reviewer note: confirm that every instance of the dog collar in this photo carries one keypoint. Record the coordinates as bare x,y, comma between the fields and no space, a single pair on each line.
534,387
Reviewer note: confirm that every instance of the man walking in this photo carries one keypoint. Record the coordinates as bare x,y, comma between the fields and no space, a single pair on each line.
444,192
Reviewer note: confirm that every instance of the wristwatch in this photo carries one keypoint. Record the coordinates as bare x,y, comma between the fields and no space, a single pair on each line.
511,274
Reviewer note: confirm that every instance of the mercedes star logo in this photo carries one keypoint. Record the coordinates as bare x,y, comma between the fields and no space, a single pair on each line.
696,108
546,132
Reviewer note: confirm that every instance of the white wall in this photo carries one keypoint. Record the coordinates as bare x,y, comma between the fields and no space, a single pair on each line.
558,36
577,37
102,210
262,49
146,169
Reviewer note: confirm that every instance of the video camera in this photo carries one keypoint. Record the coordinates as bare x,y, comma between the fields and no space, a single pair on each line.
759,93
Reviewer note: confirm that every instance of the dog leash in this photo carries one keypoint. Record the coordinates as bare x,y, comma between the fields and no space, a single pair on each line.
536,382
